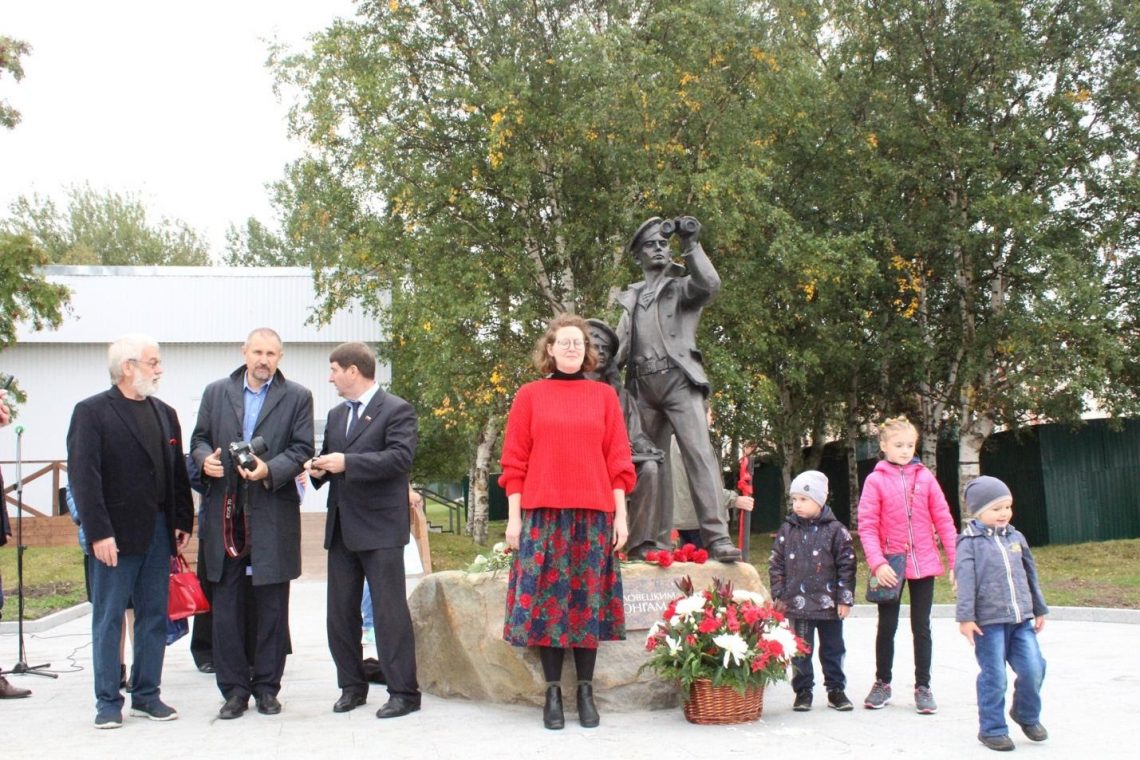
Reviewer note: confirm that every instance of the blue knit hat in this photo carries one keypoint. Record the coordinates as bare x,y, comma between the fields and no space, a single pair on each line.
984,493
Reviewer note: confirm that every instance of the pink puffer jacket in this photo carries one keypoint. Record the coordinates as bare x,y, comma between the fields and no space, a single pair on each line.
883,525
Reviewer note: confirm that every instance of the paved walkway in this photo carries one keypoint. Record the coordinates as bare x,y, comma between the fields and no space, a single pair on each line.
1092,701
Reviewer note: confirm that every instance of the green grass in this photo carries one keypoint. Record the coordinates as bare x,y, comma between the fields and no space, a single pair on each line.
53,580
1102,574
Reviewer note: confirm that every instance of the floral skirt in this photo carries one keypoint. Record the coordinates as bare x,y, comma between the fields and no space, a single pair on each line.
565,584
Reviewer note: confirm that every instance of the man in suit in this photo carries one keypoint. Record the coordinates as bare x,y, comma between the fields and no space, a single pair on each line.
128,480
370,442
657,338
251,518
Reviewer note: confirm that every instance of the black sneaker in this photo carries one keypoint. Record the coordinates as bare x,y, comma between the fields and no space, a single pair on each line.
803,701
997,743
837,700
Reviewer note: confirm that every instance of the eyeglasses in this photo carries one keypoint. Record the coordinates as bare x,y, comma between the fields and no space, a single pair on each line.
566,343
152,363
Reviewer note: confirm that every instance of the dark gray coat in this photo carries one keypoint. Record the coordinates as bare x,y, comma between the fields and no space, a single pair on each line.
997,577
274,508
812,566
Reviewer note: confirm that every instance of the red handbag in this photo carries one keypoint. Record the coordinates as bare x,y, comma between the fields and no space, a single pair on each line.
186,595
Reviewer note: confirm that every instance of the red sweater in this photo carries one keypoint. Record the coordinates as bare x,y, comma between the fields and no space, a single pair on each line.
566,446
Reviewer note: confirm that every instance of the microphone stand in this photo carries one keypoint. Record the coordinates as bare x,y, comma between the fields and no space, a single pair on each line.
22,666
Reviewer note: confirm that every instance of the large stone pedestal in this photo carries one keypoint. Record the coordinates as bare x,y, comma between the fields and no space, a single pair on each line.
460,651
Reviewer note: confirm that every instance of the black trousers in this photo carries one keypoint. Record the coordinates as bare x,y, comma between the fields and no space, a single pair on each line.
921,601
395,641
235,600
831,651
202,628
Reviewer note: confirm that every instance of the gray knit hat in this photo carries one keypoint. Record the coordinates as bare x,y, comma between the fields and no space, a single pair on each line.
986,492
812,484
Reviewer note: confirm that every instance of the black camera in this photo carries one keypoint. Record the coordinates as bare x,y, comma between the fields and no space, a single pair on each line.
243,452
682,225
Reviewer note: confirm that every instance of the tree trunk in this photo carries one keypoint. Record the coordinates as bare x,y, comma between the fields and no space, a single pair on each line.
480,493
852,459
976,428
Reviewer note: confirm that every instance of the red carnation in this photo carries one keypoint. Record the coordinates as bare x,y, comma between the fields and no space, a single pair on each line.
700,556
664,559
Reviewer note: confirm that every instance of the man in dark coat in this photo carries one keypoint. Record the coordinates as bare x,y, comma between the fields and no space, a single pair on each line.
128,480
370,442
657,338
251,517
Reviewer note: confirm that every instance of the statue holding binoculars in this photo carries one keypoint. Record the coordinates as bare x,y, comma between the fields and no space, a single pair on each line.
657,338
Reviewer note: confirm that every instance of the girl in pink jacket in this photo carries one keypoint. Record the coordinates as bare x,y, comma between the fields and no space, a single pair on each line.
900,511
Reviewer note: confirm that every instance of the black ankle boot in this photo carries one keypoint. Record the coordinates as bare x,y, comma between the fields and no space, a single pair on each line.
552,716
587,711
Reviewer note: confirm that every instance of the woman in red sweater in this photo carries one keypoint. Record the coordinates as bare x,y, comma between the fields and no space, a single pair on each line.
566,471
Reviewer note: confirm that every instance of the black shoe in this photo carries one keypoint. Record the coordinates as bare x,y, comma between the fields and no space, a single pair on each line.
837,700
722,550
267,704
397,707
552,715
587,711
349,700
233,708
803,701
206,667
998,743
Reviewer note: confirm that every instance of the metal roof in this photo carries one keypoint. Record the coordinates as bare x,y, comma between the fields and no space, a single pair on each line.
195,305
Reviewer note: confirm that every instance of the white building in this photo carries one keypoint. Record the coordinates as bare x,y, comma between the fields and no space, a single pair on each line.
199,315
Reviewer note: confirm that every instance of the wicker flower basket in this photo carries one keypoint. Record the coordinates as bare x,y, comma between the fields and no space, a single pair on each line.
710,705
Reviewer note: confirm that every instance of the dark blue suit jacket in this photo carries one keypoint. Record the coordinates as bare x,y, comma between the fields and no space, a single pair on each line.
370,498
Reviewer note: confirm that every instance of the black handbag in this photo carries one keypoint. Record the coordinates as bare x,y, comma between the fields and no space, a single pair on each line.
877,593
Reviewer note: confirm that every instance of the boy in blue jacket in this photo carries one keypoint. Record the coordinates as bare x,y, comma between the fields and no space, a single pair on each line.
1000,611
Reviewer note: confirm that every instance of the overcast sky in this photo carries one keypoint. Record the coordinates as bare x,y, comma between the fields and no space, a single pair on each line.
168,100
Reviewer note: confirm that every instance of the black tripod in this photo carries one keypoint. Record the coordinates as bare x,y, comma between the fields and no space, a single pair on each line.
22,666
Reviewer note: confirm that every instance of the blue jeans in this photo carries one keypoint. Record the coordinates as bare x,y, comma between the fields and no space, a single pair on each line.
143,579
1015,643
831,653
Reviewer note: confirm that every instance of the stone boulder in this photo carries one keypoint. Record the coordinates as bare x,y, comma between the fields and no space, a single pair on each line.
460,651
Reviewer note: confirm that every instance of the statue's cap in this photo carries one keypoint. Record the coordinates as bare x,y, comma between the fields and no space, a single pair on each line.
609,331
636,239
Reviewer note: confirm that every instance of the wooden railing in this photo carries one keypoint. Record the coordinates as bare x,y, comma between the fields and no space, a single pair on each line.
52,466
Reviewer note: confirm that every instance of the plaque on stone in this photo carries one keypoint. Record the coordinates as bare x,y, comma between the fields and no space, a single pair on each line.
646,600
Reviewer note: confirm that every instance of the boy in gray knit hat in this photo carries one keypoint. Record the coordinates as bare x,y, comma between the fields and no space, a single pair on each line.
1000,611
812,575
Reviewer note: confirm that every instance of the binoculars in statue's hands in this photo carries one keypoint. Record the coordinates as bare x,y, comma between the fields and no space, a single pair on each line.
682,225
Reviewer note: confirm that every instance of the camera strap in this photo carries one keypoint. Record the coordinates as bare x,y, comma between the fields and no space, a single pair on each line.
235,537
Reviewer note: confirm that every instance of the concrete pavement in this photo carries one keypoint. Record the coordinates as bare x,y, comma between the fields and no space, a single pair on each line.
1091,696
